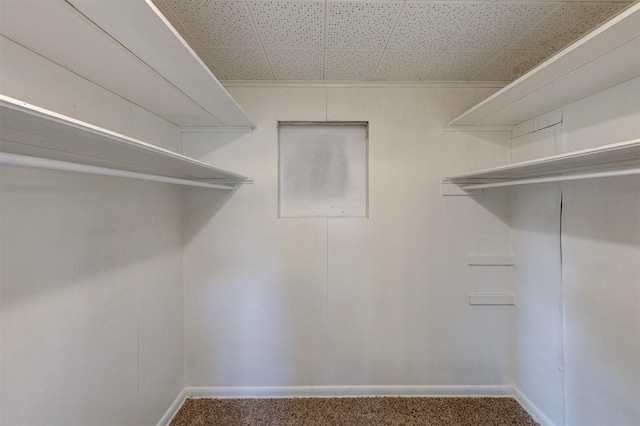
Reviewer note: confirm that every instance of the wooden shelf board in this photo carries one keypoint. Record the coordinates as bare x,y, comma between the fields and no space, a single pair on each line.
33,131
128,48
603,58
623,155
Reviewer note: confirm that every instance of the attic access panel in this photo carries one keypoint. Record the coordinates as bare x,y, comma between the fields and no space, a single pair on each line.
323,170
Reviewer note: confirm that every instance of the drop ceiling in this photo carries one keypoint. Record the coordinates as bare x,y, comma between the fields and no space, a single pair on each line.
413,40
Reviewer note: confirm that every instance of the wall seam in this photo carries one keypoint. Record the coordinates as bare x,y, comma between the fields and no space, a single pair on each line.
326,319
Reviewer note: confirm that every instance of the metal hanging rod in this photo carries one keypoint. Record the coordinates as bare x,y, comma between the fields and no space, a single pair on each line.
9,159
560,178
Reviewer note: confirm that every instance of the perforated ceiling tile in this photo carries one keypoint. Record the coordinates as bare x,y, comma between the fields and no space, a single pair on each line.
241,64
355,33
282,24
217,23
352,65
430,25
405,65
496,25
204,56
565,1
459,65
360,25
566,24
510,65
296,64
175,22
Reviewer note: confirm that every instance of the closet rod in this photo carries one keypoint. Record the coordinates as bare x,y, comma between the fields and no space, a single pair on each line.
9,159
561,178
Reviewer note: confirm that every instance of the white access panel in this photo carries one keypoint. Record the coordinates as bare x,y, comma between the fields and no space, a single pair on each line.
323,170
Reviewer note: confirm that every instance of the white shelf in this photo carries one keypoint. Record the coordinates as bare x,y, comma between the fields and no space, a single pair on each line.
29,131
610,160
129,48
603,58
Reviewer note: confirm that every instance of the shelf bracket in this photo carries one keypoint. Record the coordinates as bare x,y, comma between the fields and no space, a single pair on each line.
450,189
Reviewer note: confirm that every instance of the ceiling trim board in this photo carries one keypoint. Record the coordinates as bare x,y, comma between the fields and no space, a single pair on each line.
372,84
216,129
478,128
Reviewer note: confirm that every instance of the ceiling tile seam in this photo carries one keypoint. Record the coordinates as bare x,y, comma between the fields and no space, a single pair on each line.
451,40
264,50
534,26
193,38
431,65
495,58
384,49
513,50
365,49
295,49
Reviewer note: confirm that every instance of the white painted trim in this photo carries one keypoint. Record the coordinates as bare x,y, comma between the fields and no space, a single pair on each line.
371,84
531,408
345,391
173,409
478,128
536,124
215,129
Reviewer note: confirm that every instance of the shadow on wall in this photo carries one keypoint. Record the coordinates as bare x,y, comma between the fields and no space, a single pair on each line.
252,319
606,210
539,200
611,204
493,201
199,205
61,229
253,316
201,145
601,273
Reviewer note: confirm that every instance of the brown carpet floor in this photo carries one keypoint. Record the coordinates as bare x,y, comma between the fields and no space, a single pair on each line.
353,412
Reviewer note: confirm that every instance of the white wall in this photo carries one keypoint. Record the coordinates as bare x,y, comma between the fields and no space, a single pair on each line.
328,302
577,249
91,314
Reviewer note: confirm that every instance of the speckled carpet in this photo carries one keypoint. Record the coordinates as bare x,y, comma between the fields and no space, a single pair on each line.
353,412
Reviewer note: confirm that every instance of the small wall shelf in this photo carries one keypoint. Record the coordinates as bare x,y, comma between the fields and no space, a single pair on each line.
603,58
618,159
35,137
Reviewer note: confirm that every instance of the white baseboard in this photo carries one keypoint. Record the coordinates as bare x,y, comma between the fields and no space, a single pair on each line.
173,408
344,391
531,408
